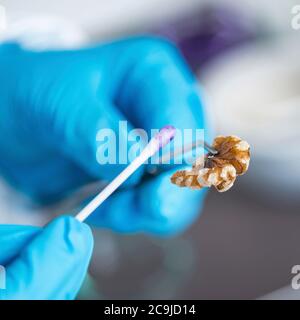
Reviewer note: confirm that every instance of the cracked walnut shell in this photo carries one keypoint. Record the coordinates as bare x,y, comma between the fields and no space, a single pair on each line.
218,170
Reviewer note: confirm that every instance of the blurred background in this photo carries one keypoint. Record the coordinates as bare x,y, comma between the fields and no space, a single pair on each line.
246,56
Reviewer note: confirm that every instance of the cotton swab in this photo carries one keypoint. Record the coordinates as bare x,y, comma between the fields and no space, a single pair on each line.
165,135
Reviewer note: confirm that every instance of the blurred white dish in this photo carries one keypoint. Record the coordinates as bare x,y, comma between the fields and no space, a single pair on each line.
255,93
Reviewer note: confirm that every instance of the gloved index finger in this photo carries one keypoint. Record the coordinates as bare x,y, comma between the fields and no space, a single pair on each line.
160,89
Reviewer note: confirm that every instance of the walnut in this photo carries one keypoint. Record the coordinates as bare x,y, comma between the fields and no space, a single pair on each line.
218,170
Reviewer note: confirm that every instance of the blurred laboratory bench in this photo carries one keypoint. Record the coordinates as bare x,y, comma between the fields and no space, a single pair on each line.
237,249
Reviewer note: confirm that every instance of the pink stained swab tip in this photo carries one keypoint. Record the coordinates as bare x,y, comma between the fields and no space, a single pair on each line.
161,139
165,135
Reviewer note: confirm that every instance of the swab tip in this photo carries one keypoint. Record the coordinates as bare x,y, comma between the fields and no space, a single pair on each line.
165,135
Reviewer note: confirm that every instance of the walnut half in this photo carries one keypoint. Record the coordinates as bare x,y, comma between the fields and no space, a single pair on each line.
218,170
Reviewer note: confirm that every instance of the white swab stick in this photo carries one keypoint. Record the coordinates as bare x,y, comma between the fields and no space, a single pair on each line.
165,135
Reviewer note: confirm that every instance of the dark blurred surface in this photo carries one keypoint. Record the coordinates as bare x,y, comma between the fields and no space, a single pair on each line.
245,248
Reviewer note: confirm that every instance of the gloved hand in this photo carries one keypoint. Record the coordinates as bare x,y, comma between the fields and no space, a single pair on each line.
48,263
53,104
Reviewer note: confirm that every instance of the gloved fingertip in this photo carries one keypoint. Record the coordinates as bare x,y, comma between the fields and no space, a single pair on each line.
77,236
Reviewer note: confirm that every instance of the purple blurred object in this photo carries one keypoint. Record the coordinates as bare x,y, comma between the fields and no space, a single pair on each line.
208,33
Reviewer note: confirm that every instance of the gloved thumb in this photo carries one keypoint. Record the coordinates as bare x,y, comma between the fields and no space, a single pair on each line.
53,265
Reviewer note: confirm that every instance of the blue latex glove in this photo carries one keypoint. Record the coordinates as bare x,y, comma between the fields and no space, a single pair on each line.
48,263
53,104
